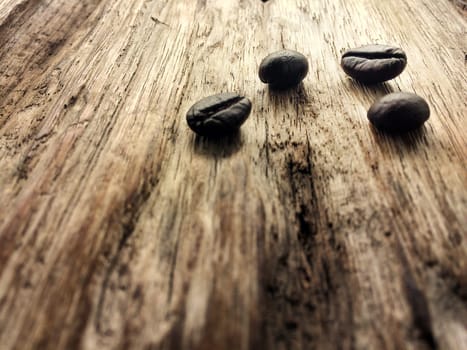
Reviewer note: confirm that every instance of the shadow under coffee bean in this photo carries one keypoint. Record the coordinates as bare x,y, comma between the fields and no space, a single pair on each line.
399,112
283,69
373,64
218,147
218,115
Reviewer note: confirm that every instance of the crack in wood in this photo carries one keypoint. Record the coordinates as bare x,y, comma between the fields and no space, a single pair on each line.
158,21
417,301
133,208
420,311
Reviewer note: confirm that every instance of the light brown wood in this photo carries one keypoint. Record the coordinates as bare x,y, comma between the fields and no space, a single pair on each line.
119,229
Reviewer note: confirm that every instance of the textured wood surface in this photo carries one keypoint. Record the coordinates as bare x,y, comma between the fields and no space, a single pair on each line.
119,229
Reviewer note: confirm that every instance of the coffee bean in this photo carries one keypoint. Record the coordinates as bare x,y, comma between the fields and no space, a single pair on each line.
283,69
399,112
373,64
218,115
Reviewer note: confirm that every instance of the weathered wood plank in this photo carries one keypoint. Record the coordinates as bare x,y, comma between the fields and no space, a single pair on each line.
120,229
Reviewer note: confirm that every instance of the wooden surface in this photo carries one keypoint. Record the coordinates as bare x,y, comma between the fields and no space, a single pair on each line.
119,229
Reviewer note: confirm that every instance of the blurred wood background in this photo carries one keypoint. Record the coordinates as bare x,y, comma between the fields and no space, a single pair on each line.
119,229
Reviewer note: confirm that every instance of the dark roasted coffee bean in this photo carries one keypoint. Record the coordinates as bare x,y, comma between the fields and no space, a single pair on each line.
219,114
399,112
283,69
373,64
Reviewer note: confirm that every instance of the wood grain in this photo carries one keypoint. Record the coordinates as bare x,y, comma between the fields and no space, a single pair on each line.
119,229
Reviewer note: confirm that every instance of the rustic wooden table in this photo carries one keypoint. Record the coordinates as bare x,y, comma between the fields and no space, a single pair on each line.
119,229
